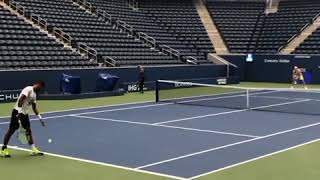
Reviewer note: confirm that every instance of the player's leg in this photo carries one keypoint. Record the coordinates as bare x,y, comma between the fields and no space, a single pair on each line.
303,81
14,125
294,82
141,84
25,122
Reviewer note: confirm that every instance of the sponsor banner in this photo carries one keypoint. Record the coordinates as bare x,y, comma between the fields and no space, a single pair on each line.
151,85
276,68
9,96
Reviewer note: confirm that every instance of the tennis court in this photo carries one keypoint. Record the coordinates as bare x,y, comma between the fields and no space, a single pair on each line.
180,140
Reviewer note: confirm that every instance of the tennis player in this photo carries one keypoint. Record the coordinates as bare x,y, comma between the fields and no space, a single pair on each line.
19,115
296,76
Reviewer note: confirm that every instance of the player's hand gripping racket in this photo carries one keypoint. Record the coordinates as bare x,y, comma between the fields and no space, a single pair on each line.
41,121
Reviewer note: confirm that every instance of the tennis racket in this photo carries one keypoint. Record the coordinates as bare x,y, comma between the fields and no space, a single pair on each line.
22,135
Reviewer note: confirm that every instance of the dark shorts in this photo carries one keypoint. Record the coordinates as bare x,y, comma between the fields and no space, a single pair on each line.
24,119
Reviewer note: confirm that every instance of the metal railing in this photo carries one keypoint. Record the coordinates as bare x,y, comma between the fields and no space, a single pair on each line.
315,17
109,61
106,16
299,32
172,52
133,4
216,59
88,52
17,7
150,41
36,19
85,4
192,60
125,27
64,37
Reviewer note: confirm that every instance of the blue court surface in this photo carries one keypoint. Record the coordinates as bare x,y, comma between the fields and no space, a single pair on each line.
173,139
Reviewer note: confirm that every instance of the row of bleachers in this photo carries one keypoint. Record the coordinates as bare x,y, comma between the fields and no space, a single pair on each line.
86,28
311,45
25,47
236,21
247,29
148,19
180,18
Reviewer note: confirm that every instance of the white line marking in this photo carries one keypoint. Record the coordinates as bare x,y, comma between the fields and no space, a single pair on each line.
221,97
102,164
94,112
285,98
277,97
166,126
228,145
254,159
199,117
230,112
280,104
88,108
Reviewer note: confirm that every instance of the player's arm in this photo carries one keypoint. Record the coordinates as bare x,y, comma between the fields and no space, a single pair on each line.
36,112
20,103
35,109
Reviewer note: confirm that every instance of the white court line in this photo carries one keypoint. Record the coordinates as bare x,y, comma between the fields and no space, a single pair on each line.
88,108
221,97
199,117
102,164
277,97
165,126
280,104
226,146
284,98
230,112
254,159
94,112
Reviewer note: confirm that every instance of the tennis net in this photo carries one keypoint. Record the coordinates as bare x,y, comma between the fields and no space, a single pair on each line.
284,100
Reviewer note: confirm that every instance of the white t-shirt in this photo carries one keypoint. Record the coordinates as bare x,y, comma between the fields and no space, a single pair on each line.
31,97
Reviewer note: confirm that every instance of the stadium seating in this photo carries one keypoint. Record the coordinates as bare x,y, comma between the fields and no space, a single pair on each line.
236,22
281,26
311,45
86,28
172,23
25,47
247,29
181,19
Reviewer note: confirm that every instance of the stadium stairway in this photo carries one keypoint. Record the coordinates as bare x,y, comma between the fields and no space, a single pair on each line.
24,45
37,26
299,39
108,39
214,35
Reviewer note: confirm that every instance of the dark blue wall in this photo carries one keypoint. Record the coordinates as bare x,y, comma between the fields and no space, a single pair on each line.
275,68
10,80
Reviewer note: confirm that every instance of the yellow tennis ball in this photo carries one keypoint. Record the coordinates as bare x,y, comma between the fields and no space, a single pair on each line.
49,141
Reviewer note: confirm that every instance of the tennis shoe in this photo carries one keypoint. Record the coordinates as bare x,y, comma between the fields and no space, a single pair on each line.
36,152
5,153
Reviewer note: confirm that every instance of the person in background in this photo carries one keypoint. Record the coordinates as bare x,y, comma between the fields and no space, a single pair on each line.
296,76
141,78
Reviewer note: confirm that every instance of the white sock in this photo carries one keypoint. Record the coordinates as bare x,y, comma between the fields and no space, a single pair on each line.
32,147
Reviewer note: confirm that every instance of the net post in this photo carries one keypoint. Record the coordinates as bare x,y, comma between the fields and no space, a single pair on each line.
157,90
248,100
